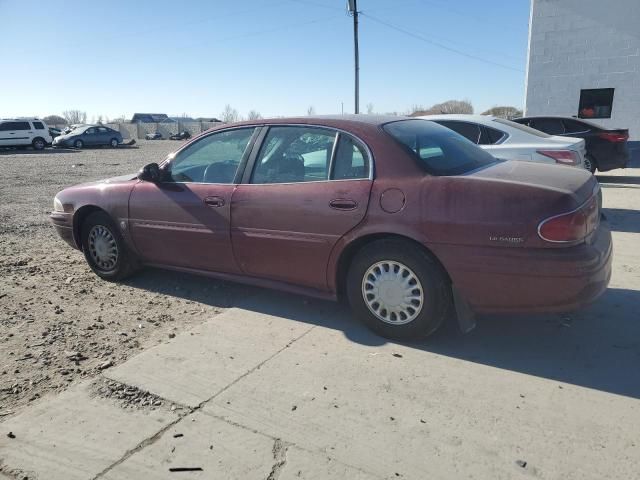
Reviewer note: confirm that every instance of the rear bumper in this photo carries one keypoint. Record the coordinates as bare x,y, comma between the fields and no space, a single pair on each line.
517,280
63,223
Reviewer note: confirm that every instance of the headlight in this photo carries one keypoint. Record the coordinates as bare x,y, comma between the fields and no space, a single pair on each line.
57,205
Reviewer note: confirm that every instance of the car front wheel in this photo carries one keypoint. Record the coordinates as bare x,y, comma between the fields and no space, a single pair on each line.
114,142
104,248
398,290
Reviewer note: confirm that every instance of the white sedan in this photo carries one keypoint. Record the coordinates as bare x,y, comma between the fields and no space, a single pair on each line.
509,140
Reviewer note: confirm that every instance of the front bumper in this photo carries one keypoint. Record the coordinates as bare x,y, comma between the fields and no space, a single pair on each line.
63,223
494,280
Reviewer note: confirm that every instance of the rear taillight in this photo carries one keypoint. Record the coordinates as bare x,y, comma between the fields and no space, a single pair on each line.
565,157
614,137
571,226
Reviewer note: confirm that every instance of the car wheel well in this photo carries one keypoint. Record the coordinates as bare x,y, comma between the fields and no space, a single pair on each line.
79,218
347,255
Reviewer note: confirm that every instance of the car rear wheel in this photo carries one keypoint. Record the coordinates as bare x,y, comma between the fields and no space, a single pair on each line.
78,144
104,248
114,142
398,290
38,143
590,163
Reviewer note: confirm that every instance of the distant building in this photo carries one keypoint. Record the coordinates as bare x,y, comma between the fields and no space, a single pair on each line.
584,61
150,118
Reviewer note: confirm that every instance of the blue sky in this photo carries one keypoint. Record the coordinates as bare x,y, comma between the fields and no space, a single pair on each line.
278,57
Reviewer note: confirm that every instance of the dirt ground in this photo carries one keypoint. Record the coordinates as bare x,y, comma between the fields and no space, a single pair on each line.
59,323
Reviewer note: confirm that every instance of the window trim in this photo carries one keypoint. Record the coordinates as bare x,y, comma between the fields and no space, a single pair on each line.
246,178
241,166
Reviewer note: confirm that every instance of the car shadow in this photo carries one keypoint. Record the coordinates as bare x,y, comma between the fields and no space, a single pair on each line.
596,348
623,220
46,151
612,179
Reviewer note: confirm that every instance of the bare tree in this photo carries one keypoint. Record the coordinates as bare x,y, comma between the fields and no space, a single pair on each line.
230,114
254,115
504,112
99,120
75,116
448,107
54,120
311,110
369,108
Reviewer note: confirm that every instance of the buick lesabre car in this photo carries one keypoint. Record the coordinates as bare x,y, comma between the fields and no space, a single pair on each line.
403,217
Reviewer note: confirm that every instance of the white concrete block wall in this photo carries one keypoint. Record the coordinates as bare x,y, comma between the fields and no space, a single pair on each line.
583,44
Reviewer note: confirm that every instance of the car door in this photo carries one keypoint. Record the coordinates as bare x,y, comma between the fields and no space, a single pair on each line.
184,219
308,186
103,136
16,133
90,136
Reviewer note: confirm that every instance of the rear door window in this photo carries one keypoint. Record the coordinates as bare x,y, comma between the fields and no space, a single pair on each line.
470,131
438,149
552,126
490,136
38,125
572,126
350,161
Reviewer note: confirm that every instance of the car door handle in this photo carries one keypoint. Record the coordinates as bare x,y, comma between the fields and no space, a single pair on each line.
214,201
343,204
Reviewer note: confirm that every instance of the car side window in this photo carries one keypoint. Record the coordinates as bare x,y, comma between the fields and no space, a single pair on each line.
470,131
212,159
294,154
350,160
571,126
490,136
6,126
552,126
90,131
21,126
38,125
102,130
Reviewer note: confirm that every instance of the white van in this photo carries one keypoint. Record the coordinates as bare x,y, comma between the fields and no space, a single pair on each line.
17,132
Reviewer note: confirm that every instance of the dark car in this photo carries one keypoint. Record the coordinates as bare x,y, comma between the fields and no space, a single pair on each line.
153,136
606,148
89,136
404,217
184,135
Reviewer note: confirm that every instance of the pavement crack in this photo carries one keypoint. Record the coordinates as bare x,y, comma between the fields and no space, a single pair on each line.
280,458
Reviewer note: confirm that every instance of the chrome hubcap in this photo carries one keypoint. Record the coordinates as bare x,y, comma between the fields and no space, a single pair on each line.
103,247
392,292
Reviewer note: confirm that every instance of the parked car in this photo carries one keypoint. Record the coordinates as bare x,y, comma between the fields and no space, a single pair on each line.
153,136
183,135
21,132
89,136
402,216
511,141
54,132
606,147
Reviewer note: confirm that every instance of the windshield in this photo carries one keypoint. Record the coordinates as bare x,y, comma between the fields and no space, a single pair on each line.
441,151
524,128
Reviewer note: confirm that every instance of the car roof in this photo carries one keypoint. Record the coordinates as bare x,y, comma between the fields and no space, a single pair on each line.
483,119
327,120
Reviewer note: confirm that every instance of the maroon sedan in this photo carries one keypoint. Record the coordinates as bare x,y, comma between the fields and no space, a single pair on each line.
402,216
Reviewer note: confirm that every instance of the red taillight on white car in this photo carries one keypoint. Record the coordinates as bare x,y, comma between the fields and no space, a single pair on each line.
571,226
564,157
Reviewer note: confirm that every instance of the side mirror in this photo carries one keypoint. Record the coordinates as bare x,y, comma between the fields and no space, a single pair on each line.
150,173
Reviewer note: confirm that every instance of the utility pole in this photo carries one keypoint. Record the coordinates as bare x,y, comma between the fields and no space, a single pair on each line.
353,11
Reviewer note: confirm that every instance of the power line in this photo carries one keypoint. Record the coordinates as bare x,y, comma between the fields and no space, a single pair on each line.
440,45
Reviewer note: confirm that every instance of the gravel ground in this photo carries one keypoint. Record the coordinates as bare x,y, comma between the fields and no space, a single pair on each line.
59,323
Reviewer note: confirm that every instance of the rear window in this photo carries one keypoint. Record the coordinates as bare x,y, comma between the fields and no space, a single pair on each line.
441,151
524,128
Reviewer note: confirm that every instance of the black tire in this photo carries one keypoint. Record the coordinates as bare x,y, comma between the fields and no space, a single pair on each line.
38,143
591,164
123,265
114,142
436,289
78,144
